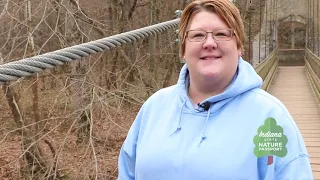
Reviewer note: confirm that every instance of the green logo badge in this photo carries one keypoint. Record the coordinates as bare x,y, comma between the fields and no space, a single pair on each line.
270,140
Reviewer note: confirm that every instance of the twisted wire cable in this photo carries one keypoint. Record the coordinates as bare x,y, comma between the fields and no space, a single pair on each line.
26,67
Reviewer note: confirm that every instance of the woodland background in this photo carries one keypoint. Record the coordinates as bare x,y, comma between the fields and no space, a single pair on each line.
70,122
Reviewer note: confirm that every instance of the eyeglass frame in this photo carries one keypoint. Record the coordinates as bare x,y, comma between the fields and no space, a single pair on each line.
207,32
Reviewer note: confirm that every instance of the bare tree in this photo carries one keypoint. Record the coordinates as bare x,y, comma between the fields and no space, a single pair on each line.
73,119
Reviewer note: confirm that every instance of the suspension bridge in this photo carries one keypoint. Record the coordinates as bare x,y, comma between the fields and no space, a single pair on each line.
291,74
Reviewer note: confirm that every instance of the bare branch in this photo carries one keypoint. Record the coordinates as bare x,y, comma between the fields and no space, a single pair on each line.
132,9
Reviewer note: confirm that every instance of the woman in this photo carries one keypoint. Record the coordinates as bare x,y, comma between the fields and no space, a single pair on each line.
216,122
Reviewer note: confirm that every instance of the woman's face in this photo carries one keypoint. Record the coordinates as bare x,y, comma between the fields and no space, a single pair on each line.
210,59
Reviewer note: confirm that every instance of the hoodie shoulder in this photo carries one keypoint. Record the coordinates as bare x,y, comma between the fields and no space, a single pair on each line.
270,100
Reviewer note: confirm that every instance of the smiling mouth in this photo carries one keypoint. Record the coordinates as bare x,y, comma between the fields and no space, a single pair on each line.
210,57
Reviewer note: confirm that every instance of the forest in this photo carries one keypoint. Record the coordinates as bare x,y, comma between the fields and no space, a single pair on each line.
69,122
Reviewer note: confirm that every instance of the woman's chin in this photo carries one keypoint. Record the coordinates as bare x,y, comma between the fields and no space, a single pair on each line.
209,75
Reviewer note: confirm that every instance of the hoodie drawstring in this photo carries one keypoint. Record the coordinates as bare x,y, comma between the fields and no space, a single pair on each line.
203,137
180,118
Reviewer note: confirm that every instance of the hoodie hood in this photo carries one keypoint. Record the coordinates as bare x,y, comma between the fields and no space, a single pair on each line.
245,79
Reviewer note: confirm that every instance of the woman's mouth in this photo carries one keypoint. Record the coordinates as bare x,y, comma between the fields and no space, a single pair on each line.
210,57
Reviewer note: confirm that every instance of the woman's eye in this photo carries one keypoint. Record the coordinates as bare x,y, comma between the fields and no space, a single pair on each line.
221,34
198,35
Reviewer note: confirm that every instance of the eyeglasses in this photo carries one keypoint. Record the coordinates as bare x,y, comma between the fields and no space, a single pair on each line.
218,35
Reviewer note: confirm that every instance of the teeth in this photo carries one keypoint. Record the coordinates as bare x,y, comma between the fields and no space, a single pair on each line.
209,58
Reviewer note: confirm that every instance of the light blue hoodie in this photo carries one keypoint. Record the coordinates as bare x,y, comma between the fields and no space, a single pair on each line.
170,140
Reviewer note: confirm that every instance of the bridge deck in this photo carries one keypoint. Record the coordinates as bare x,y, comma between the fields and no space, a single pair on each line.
293,88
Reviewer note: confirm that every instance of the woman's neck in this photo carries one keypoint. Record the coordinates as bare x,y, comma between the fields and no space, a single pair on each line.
198,91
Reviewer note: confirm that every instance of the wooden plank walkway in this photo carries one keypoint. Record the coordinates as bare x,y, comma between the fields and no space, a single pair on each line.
293,88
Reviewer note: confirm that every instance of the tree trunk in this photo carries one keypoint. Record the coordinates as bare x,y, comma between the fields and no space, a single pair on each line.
32,153
31,149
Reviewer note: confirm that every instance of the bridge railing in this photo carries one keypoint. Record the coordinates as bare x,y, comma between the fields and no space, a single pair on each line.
267,69
312,63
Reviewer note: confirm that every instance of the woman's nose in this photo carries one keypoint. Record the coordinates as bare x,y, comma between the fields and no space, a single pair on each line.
210,42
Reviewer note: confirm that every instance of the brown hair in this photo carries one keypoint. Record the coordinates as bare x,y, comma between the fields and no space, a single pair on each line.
225,9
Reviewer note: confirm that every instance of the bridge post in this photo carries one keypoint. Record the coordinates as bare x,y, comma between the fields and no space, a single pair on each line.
292,35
